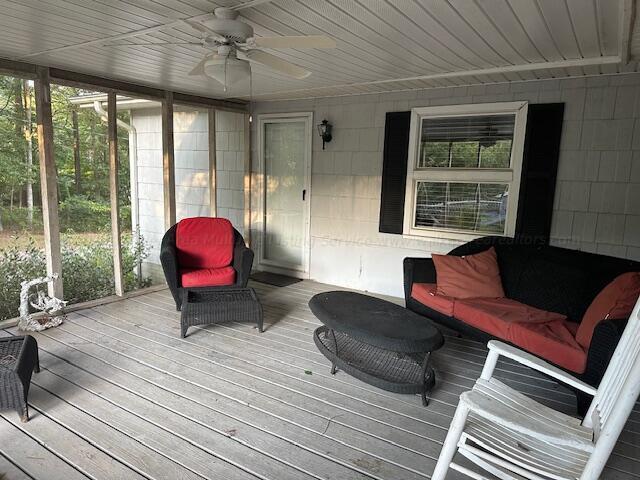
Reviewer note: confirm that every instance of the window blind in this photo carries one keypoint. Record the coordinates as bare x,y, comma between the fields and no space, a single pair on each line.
476,128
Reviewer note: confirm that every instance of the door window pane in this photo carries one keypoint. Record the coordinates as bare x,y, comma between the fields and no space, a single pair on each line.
284,156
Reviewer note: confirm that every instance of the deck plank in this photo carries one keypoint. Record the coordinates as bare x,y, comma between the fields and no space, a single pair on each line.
31,457
222,436
228,402
462,377
9,471
264,397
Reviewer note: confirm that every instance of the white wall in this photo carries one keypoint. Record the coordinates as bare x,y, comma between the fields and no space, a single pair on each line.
597,200
230,167
191,157
148,125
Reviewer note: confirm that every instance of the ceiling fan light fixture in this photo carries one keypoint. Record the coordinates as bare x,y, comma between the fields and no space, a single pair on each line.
227,70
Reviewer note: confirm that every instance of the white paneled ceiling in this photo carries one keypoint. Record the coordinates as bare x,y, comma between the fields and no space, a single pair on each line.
382,45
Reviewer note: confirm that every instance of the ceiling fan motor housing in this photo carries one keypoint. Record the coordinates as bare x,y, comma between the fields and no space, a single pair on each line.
225,23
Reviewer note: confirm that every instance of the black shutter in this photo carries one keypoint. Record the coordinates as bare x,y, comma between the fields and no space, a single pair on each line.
539,170
394,171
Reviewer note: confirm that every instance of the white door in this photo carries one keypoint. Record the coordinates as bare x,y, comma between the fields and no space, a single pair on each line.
285,159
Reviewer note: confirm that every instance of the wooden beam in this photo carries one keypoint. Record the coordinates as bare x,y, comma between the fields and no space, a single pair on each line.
67,77
213,208
48,180
198,101
112,129
94,82
247,179
168,162
17,69
82,80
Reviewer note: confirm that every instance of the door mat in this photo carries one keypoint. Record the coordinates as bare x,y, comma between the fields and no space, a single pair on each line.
274,279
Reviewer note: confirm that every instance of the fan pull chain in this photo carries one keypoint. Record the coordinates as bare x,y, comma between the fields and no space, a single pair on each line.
226,60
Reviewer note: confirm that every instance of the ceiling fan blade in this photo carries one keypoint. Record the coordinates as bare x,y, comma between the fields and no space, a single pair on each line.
277,64
301,41
148,44
207,31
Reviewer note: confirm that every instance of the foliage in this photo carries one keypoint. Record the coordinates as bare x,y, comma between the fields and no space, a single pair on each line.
77,214
91,139
80,214
18,263
87,269
14,171
18,219
82,168
77,132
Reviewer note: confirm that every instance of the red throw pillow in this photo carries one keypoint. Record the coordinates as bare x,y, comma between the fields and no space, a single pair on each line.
471,276
616,300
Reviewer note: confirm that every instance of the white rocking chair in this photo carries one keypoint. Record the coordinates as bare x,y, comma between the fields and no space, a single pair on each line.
513,437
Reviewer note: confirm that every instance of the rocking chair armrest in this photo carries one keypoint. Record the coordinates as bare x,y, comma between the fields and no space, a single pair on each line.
497,348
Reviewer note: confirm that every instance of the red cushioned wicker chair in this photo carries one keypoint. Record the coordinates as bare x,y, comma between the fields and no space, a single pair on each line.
204,252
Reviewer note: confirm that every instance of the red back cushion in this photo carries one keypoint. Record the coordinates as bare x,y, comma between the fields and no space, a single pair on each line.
471,276
203,242
616,300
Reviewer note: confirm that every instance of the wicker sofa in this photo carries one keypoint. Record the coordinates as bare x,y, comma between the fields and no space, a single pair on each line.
549,278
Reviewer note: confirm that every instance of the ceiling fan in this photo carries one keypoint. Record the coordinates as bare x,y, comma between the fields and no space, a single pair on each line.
234,48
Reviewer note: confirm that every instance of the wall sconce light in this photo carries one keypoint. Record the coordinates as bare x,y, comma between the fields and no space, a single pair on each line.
324,129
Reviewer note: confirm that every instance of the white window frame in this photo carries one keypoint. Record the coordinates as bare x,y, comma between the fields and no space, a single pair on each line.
511,175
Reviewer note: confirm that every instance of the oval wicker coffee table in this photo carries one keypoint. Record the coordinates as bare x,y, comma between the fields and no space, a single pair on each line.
376,341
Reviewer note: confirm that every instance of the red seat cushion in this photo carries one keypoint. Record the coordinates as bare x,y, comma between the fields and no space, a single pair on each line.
207,277
542,333
470,276
616,300
425,293
203,242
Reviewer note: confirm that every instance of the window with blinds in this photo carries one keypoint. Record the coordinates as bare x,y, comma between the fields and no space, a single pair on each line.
464,173
482,141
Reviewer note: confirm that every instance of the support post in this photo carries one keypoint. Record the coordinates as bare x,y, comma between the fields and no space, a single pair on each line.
48,181
213,207
247,179
168,162
112,128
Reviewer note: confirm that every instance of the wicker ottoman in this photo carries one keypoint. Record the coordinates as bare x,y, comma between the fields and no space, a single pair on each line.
201,306
18,359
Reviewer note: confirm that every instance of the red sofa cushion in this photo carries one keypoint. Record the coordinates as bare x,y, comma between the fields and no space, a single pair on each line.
207,277
471,276
425,293
616,300
203,242
542,333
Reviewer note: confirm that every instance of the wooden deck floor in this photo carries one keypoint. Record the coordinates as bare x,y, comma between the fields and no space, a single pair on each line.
121,396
